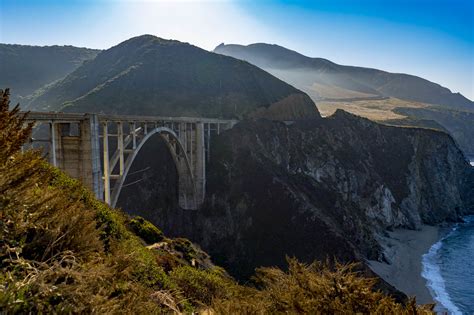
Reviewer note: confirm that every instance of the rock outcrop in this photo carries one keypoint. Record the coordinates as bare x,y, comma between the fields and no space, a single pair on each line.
319,188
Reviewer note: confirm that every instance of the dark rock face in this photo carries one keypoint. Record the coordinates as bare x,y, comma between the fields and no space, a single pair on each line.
318,189
460,124
152,181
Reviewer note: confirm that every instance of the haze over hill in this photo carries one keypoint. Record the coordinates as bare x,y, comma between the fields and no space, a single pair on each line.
152,76
323,79
26,68
396,99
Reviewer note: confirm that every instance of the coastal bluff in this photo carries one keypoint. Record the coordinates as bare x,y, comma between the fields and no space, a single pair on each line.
315,189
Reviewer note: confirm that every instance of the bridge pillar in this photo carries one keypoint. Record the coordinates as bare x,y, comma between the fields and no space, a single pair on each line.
90,130
200,163
75,150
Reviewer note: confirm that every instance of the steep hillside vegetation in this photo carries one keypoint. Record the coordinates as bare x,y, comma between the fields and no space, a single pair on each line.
63,251
153,76
27,68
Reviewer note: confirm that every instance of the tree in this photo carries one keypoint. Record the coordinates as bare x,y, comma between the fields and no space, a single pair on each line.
13,130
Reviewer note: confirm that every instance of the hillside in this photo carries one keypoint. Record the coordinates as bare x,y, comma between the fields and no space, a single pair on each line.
153,76
323,79
27,68
63,251
300,190
378,95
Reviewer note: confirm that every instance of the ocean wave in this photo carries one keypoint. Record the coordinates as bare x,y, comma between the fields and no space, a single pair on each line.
432,273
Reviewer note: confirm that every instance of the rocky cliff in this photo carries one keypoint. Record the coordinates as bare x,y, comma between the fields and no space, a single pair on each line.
315,189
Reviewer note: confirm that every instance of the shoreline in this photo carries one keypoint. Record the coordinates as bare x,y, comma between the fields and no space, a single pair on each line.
405,249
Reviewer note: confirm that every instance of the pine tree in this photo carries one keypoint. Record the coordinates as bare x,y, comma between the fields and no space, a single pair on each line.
13,130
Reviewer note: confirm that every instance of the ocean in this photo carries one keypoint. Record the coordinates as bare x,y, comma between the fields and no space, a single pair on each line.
448,268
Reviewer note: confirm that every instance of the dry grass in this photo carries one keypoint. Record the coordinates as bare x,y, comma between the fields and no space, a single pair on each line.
332,91
377,110
317,288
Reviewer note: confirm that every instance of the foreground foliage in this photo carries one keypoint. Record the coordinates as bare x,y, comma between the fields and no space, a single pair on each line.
314,289
63,251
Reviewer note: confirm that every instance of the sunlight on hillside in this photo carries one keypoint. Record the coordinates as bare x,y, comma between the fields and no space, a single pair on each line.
373,109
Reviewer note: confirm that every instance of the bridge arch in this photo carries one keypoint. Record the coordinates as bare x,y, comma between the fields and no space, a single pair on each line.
186,181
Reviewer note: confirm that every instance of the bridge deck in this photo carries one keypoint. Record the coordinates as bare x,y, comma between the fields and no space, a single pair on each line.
75,117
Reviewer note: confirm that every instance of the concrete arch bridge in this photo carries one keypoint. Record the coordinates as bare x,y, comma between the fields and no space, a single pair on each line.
99,149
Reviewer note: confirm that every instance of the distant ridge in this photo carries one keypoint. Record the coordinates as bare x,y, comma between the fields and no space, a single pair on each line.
323,79
25,69
153,76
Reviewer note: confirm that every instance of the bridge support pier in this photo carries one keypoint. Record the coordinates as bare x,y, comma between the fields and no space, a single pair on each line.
200,163
74,148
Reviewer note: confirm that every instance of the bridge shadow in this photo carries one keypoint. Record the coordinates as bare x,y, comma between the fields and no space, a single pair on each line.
151,186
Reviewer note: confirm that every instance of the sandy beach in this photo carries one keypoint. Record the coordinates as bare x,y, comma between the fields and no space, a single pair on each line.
405,249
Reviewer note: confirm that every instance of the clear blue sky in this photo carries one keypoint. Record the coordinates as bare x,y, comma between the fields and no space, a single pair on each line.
433,39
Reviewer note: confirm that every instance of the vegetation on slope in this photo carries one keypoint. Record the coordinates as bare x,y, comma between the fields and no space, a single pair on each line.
63,251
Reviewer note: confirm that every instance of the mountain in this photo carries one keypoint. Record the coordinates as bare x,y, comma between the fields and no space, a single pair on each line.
325,80
153,76
25,69
396,99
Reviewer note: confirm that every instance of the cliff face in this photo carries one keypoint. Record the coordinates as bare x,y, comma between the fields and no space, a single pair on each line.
320,188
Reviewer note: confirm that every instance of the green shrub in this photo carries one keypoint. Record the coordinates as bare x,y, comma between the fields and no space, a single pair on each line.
185,247
201,286
145,230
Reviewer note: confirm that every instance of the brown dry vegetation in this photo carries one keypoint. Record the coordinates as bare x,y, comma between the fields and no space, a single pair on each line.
63,251
333,91
377,110
317,288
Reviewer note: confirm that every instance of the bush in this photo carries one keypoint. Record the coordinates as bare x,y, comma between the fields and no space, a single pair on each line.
200,286
314,289
145,230
185,247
